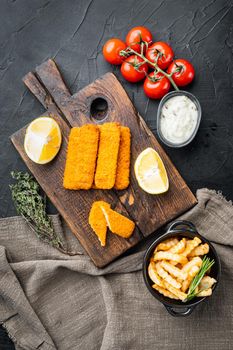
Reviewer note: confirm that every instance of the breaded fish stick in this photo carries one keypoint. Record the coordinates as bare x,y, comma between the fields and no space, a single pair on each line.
123,164
98,222
107,155
81,157
117,223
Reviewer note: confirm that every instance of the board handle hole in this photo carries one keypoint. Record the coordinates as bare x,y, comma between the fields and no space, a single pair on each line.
99,109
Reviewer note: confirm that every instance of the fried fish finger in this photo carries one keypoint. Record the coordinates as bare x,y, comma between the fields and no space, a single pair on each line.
97,220
117,223
105,175
123,164
81,157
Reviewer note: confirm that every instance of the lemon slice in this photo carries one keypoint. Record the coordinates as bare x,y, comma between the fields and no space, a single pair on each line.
42,140
150,172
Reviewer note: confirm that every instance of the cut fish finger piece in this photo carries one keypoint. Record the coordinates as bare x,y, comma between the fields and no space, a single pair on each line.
165,292
97,220
117,223
123,162
81,157
106,167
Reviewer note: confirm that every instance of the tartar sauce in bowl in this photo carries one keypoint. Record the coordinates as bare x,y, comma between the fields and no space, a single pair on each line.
178,118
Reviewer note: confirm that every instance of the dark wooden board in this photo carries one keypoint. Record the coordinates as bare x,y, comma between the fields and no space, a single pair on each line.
148,211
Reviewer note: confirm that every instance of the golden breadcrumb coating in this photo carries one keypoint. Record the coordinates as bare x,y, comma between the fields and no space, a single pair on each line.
118,223
107,155
97,220
123,163
81,157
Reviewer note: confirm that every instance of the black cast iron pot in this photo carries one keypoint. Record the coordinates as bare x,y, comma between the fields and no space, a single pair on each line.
180,228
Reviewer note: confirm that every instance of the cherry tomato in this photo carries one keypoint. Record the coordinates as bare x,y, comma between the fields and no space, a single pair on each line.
185,73
156,86
136,35
133,69
111,51
164,51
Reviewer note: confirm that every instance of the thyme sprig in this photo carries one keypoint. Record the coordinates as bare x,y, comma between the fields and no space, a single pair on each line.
31,205
206,265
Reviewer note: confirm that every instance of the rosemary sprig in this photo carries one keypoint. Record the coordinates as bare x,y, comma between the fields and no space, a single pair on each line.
206,265
32,207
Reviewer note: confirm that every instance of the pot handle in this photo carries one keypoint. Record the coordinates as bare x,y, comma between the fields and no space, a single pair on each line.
186,311
177,223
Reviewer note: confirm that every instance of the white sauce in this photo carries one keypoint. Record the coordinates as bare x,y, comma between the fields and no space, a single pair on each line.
178,119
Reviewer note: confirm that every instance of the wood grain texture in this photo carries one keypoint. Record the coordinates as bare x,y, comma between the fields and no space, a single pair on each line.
149,212
74,206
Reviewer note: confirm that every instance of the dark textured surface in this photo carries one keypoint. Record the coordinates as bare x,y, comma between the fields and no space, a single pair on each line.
74,31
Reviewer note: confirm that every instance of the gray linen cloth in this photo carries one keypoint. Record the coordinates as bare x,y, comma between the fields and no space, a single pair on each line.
52,301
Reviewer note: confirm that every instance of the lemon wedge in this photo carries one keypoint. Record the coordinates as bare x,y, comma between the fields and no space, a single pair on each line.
150,172
42,140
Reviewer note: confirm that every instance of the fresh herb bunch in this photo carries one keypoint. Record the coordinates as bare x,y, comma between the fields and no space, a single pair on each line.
31,205
206,265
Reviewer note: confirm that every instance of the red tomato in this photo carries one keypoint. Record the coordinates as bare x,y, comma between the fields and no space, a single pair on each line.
165,51
111,51
132,70
136,35
185,74
156,86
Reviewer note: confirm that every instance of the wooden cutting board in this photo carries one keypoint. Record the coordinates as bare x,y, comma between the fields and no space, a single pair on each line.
104,100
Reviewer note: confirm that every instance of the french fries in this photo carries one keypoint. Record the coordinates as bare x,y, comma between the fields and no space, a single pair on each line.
190,245
202,249
194,262
179,247
165,292
174,265
167,244
154,275
191,274
168,278
170,256
174,271
177,292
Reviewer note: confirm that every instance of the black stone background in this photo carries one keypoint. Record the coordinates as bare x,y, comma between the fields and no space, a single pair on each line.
73,32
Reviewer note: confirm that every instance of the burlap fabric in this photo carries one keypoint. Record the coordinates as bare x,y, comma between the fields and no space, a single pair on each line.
52,301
